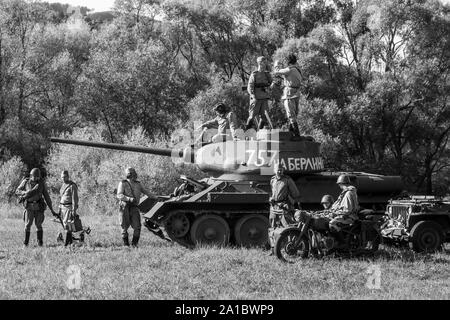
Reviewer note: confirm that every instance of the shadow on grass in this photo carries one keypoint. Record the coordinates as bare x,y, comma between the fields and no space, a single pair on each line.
405,255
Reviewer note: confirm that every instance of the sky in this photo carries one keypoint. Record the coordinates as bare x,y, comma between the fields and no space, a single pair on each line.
106,5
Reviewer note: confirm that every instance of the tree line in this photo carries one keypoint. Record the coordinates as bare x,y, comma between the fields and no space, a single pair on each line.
376,75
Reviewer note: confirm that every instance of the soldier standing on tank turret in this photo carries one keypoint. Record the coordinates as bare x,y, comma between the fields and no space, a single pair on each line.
291,92
225,122
285,196
32,192
258,88
129,193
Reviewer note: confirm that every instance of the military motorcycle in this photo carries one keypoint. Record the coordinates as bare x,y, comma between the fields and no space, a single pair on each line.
311,236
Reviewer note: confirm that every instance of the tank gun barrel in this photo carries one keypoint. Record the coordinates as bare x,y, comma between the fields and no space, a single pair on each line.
116,146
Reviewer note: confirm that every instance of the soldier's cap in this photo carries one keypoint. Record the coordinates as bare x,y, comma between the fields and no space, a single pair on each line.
220,107
65,172
260,58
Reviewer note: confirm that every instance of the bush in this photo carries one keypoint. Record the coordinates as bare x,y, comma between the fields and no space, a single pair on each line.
11,172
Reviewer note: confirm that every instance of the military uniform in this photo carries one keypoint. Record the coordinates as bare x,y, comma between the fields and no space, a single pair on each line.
284,194
222,123
345,208
129,212
258,87
68,206
291,94
34,193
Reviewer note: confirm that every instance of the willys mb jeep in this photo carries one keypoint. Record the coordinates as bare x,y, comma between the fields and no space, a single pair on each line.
421,221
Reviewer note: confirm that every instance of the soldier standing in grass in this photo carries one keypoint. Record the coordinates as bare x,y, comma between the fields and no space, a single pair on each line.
32,193
129,193
285,195
68,205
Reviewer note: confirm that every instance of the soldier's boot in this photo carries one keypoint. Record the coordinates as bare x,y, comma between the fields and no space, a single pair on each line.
262,124
40,236
134,241
27,238
69,239
125,241
294,129
249,124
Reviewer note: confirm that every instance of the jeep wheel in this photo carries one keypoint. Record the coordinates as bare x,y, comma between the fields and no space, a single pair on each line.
426,236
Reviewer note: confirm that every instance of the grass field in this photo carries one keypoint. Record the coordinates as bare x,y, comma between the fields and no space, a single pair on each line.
162,270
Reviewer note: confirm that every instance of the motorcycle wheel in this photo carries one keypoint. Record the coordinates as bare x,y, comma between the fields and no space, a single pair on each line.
286,250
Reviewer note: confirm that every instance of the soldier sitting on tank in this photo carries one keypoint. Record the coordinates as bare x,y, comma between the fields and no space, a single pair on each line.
285,197
225,122
182,192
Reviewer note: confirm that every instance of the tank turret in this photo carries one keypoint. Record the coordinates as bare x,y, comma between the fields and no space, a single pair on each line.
242,157
232,204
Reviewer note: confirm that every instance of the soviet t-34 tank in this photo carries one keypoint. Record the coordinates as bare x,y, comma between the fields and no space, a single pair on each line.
232,205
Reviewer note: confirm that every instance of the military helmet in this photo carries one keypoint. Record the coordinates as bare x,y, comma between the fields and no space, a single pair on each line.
35,172
327,198
344,179
220,107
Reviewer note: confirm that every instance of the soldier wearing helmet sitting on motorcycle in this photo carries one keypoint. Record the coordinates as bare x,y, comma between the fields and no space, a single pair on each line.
284,196
225,122
344,210
327,201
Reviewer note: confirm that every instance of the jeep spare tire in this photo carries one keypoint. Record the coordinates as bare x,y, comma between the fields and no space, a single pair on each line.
426,236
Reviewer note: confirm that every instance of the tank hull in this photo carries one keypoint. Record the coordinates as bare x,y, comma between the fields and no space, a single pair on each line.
233,200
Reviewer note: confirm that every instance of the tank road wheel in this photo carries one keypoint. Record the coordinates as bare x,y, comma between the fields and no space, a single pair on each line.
210,229
177,225
252,231
426,236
